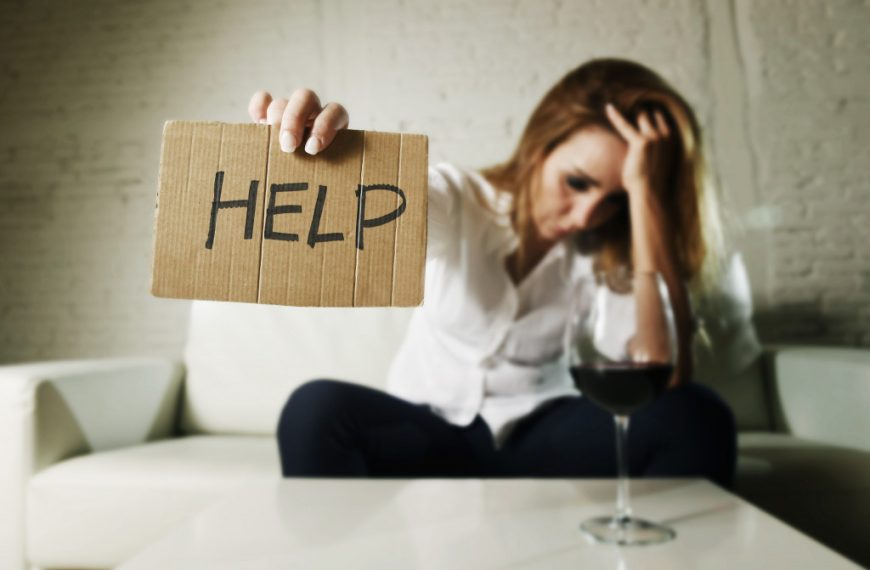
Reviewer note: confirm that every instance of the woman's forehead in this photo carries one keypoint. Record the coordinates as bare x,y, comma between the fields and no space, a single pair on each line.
596,152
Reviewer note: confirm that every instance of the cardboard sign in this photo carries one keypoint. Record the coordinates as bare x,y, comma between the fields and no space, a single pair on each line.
239,220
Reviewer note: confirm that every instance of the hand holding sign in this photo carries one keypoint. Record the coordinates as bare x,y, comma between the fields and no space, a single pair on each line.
239,219
295,115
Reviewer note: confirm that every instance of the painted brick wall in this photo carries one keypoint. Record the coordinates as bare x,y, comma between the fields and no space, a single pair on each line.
809,114
85,88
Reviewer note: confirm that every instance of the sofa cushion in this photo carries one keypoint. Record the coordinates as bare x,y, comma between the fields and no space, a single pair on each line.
93,511
742,389
244,359
820,489
823,393
781,463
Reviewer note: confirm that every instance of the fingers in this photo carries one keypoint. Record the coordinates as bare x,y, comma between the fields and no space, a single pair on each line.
294,115
258,104
328,122
303,107
621,124
275,111
653,124
646,128
662,123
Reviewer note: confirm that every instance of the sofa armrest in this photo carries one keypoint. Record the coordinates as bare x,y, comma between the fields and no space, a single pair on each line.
822,393
50,411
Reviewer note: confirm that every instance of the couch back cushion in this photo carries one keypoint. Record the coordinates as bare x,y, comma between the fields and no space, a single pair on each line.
243,359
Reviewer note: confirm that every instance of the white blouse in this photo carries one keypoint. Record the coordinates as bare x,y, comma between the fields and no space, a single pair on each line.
479,343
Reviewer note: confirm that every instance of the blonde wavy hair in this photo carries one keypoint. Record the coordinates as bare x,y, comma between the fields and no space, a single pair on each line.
577,101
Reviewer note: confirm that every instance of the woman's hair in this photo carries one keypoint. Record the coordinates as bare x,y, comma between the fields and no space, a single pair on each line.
577,101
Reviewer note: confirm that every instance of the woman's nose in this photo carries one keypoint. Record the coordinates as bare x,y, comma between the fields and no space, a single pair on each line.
584,213
588,212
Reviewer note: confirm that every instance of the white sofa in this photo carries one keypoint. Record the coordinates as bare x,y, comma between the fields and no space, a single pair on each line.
100,457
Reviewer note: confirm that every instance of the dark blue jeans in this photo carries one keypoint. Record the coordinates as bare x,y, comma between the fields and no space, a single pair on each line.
332,428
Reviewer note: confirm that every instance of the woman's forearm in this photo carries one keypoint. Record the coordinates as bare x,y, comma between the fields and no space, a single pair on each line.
653,250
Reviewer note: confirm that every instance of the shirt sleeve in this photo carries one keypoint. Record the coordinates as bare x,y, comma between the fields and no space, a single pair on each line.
727,341
441,210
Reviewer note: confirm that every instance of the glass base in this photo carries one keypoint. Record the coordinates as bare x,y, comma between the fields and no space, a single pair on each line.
626,531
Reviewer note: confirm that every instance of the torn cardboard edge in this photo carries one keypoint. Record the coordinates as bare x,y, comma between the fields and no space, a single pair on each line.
237,219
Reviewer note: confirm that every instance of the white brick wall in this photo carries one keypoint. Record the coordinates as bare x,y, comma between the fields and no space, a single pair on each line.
810,121
85,87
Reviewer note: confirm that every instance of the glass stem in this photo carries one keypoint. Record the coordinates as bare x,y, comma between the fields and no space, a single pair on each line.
623,510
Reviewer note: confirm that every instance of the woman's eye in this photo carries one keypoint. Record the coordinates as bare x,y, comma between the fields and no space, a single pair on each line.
578,183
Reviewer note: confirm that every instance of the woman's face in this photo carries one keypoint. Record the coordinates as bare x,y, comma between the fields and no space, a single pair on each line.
581,184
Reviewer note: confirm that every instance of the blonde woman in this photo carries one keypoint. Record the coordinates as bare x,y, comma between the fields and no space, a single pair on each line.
609,170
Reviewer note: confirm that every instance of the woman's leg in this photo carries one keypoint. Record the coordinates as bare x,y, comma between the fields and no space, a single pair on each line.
690,432
335,428
687,432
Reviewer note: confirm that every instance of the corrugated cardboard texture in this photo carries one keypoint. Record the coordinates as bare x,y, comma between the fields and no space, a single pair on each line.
239,220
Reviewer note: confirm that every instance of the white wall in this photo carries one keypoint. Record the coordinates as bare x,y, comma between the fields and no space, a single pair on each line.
807,76
86,86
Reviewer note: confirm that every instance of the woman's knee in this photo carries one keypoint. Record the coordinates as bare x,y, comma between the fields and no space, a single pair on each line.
694,433
693,416
318,393
310,404
700,406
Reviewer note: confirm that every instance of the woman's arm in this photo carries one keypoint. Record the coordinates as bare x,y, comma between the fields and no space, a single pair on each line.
653,250
652,245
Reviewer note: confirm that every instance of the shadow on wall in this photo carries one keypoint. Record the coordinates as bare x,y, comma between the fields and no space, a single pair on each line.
809,323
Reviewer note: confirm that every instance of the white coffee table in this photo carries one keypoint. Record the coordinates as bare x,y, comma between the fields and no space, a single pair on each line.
475,523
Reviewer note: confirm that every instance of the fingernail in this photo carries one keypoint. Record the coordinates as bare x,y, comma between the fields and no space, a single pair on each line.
288,141
313,145
262,121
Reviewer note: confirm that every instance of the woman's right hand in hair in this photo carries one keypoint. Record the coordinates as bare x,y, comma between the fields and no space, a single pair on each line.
297,116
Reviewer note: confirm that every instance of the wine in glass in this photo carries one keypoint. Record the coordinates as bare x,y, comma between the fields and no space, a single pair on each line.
621,349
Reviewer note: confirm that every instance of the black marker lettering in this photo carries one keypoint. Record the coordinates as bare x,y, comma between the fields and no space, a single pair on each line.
362,222
273,210
313,236
250,204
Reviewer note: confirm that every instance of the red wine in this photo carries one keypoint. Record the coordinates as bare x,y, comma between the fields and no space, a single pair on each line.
622,388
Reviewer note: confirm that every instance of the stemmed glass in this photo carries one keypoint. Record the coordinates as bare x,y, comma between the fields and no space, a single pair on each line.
621,349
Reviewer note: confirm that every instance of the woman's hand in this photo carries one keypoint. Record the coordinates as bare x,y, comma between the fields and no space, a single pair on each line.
298,115
645,174
650,151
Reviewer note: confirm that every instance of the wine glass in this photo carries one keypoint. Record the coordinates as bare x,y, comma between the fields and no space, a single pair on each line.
621,350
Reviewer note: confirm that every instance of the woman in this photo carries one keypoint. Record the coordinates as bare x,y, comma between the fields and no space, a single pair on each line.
609,170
